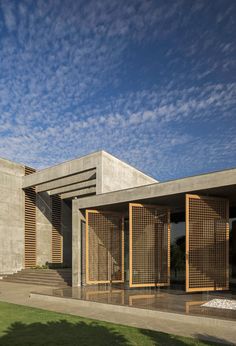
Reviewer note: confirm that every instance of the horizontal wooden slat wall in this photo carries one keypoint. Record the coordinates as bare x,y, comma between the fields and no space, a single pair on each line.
207,243
30,223
104,247
57,238
149,245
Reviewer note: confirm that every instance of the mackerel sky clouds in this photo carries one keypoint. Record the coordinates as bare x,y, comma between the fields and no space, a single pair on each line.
152,82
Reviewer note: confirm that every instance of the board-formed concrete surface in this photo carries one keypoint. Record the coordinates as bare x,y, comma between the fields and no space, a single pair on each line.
111,173
203,328
95,173
11,217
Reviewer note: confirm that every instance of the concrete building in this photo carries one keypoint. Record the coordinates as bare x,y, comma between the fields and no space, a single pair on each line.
112,224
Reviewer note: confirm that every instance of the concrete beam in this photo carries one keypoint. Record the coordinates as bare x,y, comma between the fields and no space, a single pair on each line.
77,178
62,170
185,185
74,187
79,193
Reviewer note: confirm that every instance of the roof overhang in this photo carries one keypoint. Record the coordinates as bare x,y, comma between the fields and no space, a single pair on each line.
72,178
94,173
171,193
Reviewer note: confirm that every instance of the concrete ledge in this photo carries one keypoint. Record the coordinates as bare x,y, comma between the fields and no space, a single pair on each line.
169,316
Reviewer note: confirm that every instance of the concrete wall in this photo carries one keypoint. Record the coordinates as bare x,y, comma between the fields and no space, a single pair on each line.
112,174
43,228
117,175
11,217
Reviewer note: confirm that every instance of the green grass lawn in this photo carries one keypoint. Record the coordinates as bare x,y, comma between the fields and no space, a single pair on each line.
21,325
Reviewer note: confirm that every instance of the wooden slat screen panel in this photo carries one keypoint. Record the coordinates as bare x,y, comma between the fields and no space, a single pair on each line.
207,243
57,239
149,244
104,247
30,223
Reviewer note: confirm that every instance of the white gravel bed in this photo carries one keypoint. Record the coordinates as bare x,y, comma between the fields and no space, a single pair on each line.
221,304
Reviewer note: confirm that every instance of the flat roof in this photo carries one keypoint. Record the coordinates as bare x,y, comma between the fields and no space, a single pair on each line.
221,183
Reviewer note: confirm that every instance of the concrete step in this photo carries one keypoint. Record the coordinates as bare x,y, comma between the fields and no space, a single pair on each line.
27,278
56,276
37,281
40,283
65,270
47,277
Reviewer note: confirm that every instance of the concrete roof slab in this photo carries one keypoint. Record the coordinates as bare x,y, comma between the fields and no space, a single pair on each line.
207,183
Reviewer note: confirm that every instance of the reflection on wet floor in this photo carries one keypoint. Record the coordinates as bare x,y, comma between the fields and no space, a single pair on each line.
161,299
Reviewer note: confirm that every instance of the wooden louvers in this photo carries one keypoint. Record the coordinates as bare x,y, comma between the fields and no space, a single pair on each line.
57,239
30,223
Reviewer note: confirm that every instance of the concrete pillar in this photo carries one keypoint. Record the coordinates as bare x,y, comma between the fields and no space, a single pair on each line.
77,219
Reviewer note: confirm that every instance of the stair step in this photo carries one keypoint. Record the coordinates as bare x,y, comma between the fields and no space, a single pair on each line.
41,275
37,279
47,270
37,283
34,279
56,277
47,277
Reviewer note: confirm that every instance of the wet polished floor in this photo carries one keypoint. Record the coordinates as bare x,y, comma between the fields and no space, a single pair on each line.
170,300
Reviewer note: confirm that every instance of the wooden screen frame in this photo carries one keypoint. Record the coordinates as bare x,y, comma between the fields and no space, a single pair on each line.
131,284
204,289
93,282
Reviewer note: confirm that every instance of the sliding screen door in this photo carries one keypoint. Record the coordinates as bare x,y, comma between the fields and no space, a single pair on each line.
104,247
207,243
149,245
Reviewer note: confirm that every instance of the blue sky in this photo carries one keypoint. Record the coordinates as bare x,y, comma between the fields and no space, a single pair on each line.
152,82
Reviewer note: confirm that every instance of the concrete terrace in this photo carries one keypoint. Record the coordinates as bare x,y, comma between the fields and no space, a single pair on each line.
218,330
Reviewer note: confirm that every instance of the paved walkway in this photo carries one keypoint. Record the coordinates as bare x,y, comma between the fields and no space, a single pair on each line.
209,329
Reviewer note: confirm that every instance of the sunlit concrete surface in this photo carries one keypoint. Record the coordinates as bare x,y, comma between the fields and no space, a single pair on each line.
168,300
207,328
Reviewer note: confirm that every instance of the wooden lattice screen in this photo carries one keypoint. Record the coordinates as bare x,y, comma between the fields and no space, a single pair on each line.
30,223
104,247
57,239
149,245
207,243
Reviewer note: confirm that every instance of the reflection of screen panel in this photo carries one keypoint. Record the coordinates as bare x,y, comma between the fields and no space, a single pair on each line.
149,246
206,243
104,247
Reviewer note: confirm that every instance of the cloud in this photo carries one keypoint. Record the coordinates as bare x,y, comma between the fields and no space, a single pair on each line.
134,78
9,14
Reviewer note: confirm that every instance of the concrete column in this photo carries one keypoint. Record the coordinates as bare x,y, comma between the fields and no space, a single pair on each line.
77,219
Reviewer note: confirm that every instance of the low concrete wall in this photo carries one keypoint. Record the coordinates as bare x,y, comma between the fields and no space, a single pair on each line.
11,217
